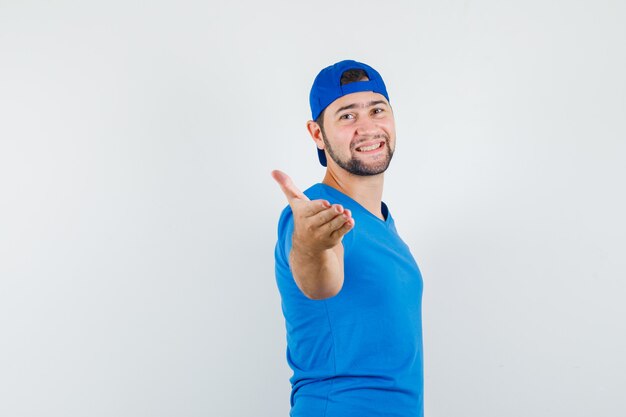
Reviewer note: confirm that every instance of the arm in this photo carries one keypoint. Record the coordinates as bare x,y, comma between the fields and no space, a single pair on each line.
316,257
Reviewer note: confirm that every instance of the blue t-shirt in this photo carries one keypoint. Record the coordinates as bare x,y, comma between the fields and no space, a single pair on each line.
359,353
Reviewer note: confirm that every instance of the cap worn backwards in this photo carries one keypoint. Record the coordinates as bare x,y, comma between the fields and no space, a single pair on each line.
327,88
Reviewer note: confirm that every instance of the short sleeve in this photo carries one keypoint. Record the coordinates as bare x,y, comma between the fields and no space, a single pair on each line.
285,233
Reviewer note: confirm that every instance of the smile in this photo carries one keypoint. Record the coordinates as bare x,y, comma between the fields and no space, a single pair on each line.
370,147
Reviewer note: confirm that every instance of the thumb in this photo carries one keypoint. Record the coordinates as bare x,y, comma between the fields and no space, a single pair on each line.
289,188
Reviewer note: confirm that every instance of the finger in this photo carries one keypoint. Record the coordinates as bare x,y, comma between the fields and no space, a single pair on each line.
323,217
345,228
336,223
311,208
289,188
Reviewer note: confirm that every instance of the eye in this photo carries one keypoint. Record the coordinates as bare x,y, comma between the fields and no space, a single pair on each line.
378,110
346,116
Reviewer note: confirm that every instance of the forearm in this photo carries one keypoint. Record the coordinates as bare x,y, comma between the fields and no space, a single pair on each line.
318,273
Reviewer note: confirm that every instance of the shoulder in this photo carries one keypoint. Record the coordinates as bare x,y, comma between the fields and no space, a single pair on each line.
316,191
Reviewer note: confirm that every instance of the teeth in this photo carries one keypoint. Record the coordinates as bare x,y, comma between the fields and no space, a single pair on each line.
370,148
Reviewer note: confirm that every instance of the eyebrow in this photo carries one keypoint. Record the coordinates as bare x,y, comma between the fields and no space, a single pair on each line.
355,105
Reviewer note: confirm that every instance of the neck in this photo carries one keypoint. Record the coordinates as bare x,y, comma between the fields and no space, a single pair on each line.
365,190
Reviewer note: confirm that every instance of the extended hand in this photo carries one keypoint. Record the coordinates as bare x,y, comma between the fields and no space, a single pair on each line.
318,225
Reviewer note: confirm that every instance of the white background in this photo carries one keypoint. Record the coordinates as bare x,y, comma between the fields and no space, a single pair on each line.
138,215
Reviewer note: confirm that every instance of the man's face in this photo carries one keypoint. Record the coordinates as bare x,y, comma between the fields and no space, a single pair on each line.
359,133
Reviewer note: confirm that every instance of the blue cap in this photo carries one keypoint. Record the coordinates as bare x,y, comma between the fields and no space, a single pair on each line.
327,88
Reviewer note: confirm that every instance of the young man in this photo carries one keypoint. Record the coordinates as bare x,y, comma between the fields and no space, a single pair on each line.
350,288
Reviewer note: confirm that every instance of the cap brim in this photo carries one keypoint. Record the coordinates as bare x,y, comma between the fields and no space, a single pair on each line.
322,156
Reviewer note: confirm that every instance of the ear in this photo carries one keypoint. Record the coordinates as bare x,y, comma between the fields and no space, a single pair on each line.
316,133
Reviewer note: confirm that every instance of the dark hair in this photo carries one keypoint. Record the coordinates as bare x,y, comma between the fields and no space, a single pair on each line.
348,76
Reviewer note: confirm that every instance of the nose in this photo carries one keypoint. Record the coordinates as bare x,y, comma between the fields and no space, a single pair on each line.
366,126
